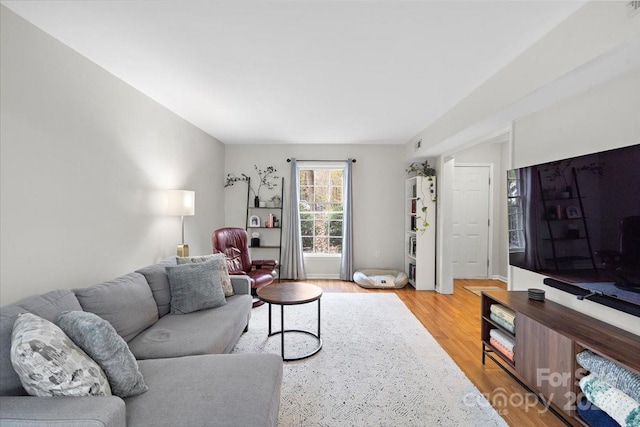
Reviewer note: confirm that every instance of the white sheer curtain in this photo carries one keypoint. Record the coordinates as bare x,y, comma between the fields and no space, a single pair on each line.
346,264
292,259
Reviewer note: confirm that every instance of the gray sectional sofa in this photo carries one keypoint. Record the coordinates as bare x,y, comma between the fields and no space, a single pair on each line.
182,357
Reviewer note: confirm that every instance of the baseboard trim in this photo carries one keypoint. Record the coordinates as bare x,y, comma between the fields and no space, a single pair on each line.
501,278
324,276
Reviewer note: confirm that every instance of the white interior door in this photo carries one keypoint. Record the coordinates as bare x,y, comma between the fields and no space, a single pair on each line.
471,222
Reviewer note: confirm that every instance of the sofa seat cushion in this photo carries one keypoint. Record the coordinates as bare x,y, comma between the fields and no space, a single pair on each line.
90,411
215,390
209,331
126,302
48,306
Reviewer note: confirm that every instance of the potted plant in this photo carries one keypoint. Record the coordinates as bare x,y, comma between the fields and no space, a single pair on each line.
267,178
425,170
277,201
421,169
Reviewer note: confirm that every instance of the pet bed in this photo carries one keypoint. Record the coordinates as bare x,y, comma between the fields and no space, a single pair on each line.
380,278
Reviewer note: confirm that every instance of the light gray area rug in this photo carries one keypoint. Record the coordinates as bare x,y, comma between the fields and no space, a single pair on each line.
378,367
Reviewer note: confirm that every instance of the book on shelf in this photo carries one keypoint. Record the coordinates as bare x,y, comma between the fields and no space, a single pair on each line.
412,245
413,205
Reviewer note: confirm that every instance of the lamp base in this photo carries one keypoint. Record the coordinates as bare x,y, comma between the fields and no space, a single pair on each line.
183,250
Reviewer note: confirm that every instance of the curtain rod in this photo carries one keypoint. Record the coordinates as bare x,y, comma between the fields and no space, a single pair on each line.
353,160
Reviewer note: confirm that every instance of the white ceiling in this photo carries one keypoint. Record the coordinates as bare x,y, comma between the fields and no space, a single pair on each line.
314,71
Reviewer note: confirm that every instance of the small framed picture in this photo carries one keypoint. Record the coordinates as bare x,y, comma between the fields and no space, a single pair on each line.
573,212
254,221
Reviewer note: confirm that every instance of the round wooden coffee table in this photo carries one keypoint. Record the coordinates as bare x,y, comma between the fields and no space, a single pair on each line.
291,293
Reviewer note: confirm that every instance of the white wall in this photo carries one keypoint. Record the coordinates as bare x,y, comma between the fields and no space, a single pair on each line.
602,118
597,28
83,157
378,186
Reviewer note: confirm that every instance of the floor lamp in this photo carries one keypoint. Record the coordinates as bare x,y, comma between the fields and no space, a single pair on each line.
181,203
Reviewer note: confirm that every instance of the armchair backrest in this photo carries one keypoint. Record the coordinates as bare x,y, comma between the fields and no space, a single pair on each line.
233,242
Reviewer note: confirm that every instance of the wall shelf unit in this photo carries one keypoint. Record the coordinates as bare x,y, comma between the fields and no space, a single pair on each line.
270,227
420,240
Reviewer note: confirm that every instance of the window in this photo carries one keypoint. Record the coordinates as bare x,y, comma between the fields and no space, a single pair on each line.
321,210
515,205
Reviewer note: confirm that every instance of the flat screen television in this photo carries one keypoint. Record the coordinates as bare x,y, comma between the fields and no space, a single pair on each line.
577,222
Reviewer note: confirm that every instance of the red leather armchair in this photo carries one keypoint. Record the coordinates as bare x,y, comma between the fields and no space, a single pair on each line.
233,242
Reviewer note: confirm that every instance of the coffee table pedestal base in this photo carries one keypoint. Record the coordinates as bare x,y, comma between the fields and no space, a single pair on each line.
283,331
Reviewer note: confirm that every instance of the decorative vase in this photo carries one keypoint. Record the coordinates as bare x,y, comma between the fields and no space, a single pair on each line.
256,202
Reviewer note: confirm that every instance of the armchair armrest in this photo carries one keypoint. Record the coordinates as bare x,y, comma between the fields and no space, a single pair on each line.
241,284
98,411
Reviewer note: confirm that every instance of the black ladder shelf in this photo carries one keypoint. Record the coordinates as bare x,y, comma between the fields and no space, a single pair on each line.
554,236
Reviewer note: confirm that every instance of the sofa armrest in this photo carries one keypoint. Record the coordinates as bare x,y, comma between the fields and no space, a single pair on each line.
241,284
98,411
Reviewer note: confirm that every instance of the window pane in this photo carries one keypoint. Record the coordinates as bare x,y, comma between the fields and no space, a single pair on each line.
306,228
515,222
306,193
335,245
336,177
514,188
513,201
307,244
321,193
513,210
336,194
306,177
321,227
335,229
516,240
322,245
321,217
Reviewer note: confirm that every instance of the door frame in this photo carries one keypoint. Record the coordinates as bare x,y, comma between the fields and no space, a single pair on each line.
490,213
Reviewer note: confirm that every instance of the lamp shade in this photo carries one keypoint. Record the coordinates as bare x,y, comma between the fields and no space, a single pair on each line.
181,202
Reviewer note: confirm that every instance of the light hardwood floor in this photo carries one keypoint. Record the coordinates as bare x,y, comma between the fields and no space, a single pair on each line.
454,321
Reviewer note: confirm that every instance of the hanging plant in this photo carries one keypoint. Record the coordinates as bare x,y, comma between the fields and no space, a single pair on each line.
421,220
421,169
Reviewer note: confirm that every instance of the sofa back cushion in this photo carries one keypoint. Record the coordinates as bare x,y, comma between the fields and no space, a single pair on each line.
126,302
158,280
48,306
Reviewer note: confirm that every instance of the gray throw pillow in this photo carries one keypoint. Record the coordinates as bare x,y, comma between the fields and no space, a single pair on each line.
195,287
102,343
221,267
50,364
